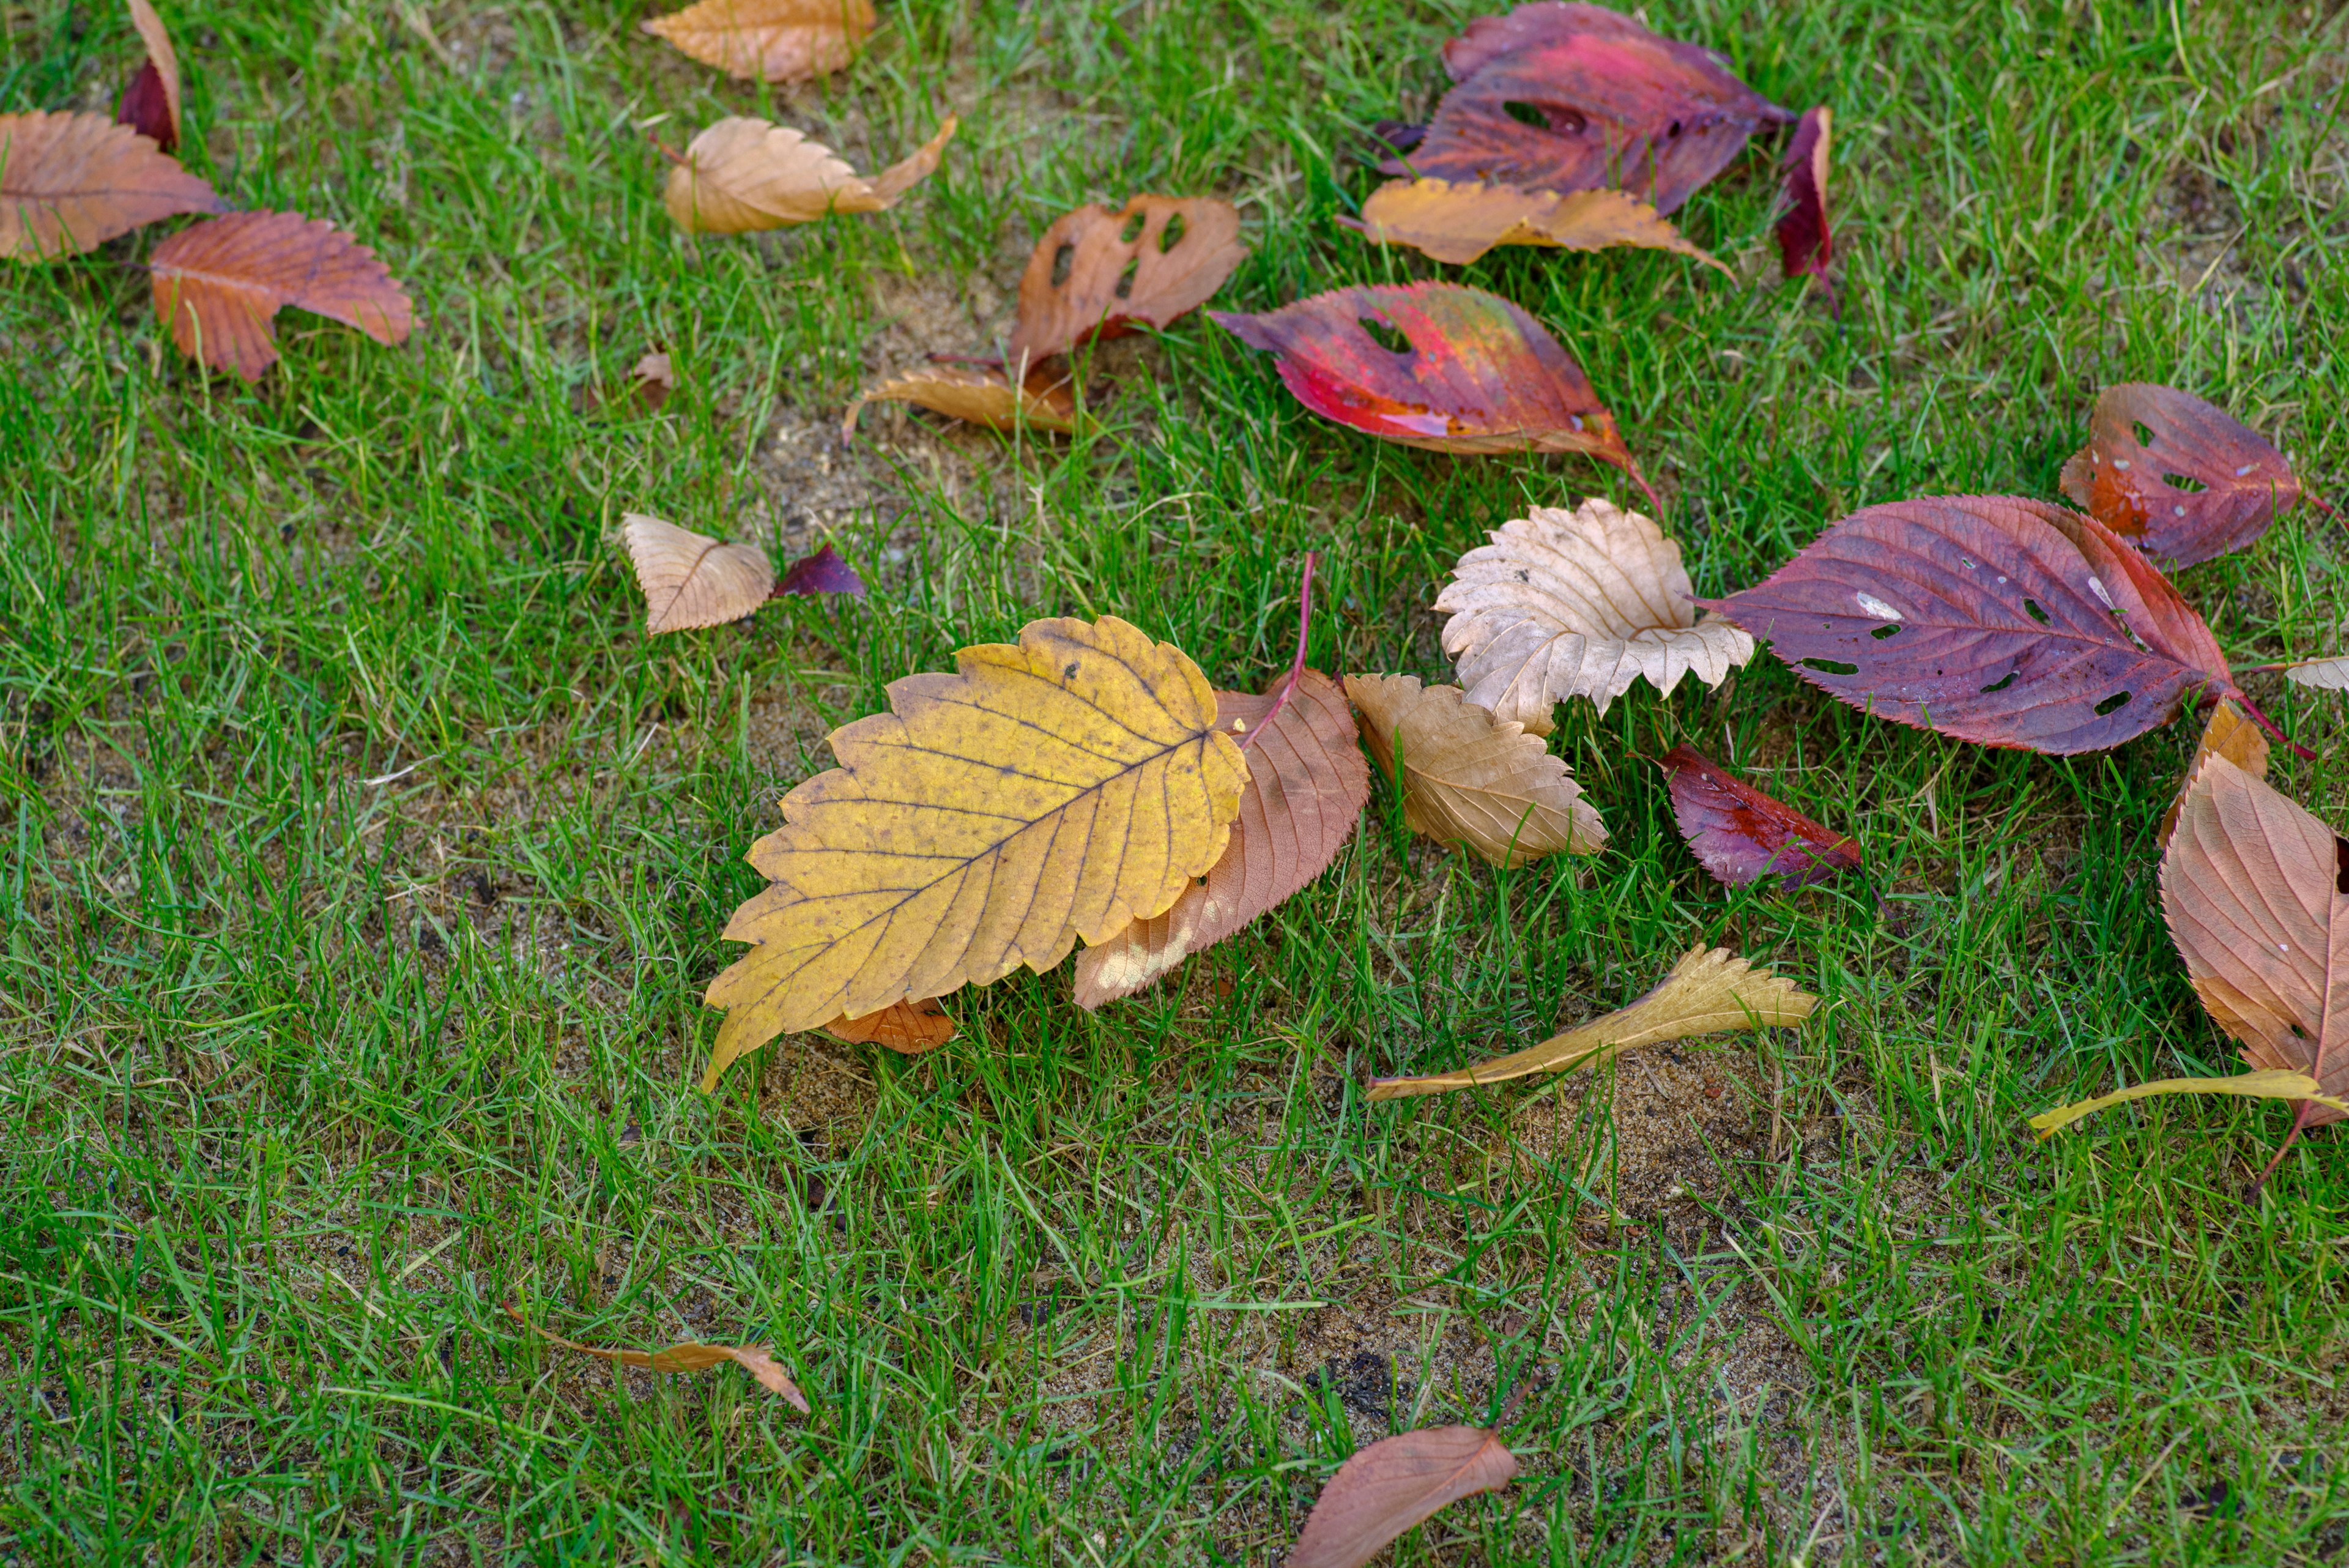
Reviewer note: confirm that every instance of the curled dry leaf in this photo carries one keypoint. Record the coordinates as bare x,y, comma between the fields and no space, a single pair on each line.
1578,604
691,1357
219,285
1805,243
1469,778
1994,619
2234,482
1045,400
1095,272
1306,787
2273,1084
2228,732
2323,674
1741,835
1477,374
908,1028
1459,223
1706,993
822,573
744,174
1056,789
70,183
151,105
690,579
654,380
1394,1484
769,40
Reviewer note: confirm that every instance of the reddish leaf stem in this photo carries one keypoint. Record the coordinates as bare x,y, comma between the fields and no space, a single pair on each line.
1296,666
2264,722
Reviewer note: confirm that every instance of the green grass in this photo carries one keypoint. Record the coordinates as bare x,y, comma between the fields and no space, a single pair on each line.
366,863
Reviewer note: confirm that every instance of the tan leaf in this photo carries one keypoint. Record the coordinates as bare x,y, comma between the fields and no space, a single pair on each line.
690,579
2270,1085
1469,778
219,285
745,174
691,1357
2324,674
654,379
1394,1484
1056,789
1707,992
2228,732
2251,890
1578,604
1087,278
1307,786
908,1028
70,183
161,54
983,397
769,40
1459,223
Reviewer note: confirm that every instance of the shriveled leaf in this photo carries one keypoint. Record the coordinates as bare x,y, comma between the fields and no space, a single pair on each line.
654,379
1459,223
1307,786
152,104
1394,1484
1479,374
690,579
70,183
1096,272
1708,992
908,1028
1741,835
2228,732
1045,400
2323,674
757,1360
1578,604
2235,484
769,40
1994,619
1619,105
1058,789
2273,1083
218,285
1469,778
1805,243
745,174
822,573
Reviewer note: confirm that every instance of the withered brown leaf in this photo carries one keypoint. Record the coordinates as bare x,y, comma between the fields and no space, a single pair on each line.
218,284
1095,272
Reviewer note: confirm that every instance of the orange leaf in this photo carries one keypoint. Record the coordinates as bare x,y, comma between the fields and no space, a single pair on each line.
771,40
908,1028
1096,272
2228,732
691,1357
983,397
1458,222
1394,1484
70,183
218,284
2235,485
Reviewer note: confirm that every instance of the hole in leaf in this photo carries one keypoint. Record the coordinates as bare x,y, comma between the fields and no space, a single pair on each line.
1172,234
2144,432
2184,482
1673,129
1525,114
1133,230
2003,682
1063,260
2041,616
2341,856
1881,632
2112,703
2297,1033
1830,667
1125,279
1386,337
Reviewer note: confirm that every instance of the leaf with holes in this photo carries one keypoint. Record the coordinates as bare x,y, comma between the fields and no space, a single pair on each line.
151,104
220,284
1046,400
757,1360
1990,617
822,573
742,175
1395,1483
1456,370
1469,778
1459,223
70,183
769,40
1307,785
1096,272
908,1028
1805,243
2174,475
690,579
1741,835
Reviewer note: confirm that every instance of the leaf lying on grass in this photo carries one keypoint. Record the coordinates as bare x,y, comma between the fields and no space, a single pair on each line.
218,284
1805,243
691,579
769,40
2235,482
1459,223
741,175
2273,1083
1095,272
2323,674
757,1360
151,104
1706,993
1046,400
822,573
1394,1484
70,183
908,1028
1741,835
2228,732
1469,778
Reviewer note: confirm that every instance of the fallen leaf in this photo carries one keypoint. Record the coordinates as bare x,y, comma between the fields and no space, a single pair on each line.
1707,991
1578,604
145,106
1307,786
690,579
1058,789
1459,223
2228,732
1394,1484
1990,617
908,1028
1478,374
2234,483
1469,778
1618,106
163,61
1741,835
1805,243
822,573
70,183
745,174
769,40
2323,674
218,284
757,1360
2273,1084
654,379
1095,272
1045,400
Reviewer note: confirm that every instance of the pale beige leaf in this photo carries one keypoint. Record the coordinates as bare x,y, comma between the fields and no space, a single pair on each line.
2272,1084
981,396
1708,992
2228,732
745,174
690,579
158,39
655,378
1457,223
1578,604
1395,1483
70,183
2324,674
769,40
757,1360
908,1028
1469,778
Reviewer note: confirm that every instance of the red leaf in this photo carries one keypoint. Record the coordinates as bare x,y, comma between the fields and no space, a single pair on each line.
822,573
1741,835
1990,617
70,183
1479,375
219,283
1392,1485
146,108
1805,243
2239,482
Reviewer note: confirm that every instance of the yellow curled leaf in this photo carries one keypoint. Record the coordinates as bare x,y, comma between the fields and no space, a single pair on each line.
2271,1084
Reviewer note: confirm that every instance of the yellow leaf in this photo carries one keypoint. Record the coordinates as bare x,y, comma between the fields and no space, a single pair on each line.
1059,788
2273,1083
1469,778
769,40
1458,222
980,396
690,579
743,175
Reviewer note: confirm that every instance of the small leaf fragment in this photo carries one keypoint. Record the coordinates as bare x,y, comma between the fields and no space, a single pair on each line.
979,396
151,106
1805,243
691,579
1459,223
2237,483
2322,674
220,284
1741,835
1087,280
654,378
769,40
908,1028
2228,732
822,573
1395,1483
2272,1084
743,175
758,1360
69,182
1467,778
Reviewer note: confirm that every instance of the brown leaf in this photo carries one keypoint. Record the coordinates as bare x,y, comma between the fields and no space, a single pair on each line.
1307,786
1805,243
1459,223
744,174
908,1028
690,579
1095,272
757,1360
769,40
1706,993
1741,835
1469,778
2235,484
654,379
1392,1485
2322,674
2228,732
70,183
139,109
218,284
984,397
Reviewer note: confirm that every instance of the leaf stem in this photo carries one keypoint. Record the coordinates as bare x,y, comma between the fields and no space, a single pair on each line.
2269,724
1296,666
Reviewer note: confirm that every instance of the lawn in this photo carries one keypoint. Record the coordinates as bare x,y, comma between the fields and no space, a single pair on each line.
366,863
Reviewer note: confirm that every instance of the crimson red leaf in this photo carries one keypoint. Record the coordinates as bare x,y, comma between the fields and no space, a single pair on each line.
822,573
1741,835
2235,485
1990,617
1805,243
146,108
